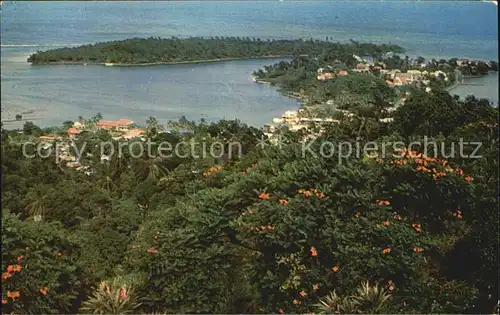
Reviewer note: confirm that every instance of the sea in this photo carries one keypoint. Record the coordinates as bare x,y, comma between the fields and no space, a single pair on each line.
49,95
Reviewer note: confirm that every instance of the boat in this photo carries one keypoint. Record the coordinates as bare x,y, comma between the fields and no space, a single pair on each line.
109,64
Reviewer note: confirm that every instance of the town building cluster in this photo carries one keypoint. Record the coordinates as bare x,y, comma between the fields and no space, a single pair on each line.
123,129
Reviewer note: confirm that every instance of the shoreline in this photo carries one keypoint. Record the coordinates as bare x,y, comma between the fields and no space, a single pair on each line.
109,64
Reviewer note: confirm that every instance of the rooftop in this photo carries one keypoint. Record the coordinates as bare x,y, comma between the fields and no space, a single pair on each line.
105,124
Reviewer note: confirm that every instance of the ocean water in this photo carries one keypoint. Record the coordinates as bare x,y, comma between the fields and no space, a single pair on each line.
213,91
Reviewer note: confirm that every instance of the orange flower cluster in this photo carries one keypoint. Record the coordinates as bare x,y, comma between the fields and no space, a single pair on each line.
281,311
309,193
313,251
416,227
123,292
13,295
11,270
385,223
303,293
424,163
152,250
383,203
386,251
335,268
283,202
315,287
418,250
262,228
264,196
212,170
43,291
458,214
357,214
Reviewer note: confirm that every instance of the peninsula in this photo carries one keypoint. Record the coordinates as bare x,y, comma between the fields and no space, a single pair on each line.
155,50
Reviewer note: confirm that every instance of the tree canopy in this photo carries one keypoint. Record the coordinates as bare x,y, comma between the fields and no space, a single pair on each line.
272,229
161,50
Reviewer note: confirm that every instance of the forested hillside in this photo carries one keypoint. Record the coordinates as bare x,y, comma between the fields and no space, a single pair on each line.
271,231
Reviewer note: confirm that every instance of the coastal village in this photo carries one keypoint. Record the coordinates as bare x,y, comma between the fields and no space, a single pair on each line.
120,130
420,74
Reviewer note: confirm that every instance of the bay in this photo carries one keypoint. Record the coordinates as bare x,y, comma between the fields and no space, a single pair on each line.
210,91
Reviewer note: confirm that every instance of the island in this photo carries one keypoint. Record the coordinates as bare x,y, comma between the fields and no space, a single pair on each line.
155,50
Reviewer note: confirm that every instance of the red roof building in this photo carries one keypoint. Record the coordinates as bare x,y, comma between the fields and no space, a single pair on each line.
122,123
73,131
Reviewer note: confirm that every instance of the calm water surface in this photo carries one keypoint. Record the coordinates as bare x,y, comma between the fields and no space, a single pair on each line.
212,91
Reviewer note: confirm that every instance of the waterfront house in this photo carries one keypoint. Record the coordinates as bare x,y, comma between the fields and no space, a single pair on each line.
439,72
78,125
320,70
392,73
133,133
402,80
73,132
361,66
289,116
342,73
325,76
120,125
415,75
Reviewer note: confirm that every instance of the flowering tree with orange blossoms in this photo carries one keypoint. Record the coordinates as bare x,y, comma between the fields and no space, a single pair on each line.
340,225
27,249
272,232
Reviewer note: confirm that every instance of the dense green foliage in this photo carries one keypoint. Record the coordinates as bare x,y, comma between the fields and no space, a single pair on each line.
275,229
158,50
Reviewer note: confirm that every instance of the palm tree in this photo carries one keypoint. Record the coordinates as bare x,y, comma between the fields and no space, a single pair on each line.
367,299
37,203
114,297
151,168
371,298
334,304
152,127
